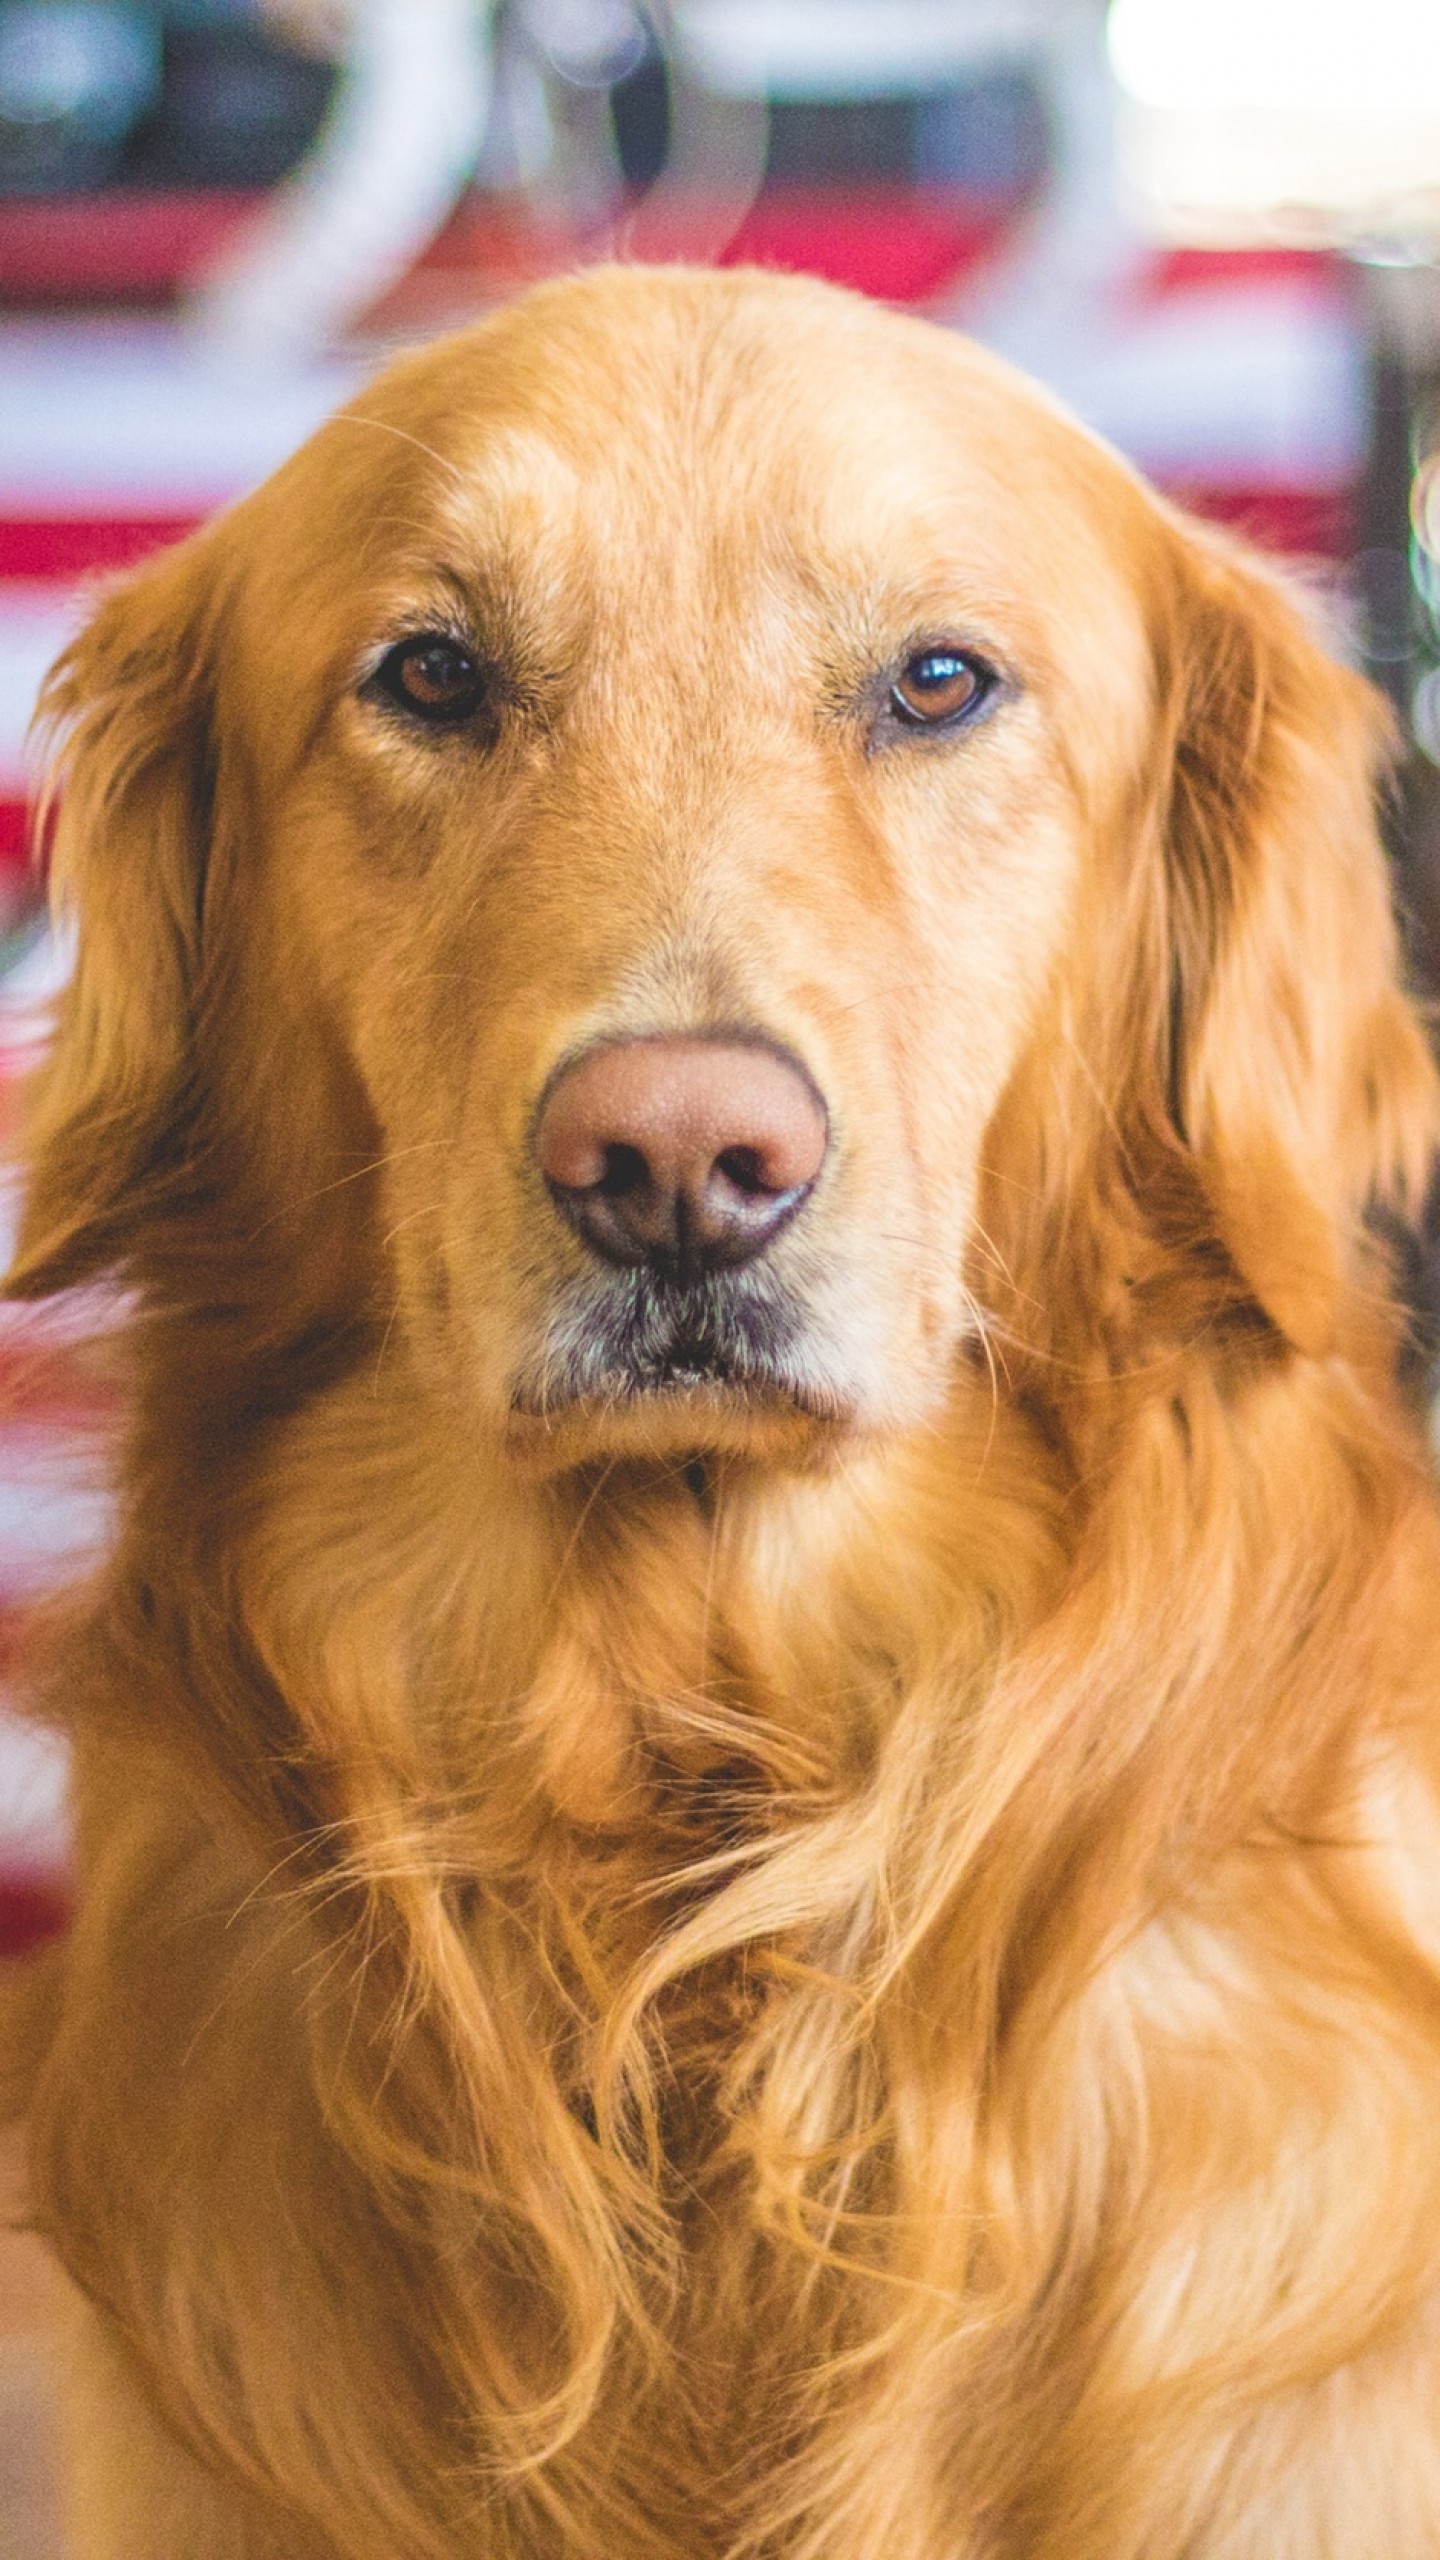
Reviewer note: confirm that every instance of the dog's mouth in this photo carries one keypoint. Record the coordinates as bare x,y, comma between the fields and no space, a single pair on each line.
642,1361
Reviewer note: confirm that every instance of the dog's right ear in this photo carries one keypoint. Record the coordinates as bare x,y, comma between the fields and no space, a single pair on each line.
132,779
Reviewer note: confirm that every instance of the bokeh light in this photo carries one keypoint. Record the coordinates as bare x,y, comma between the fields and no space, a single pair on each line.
1304,119
1316,56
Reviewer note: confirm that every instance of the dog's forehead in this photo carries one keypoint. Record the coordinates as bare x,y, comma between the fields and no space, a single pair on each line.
652,420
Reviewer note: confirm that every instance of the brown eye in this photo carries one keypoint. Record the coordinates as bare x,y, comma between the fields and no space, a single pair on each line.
432,677
937,686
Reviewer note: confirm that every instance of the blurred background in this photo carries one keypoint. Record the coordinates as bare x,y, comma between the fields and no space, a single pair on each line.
1212,225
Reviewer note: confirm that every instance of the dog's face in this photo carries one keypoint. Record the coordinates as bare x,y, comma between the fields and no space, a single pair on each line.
669,757
691,716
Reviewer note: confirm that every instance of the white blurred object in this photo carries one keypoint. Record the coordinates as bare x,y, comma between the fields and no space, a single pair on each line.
55,1511
1260,380
715,165
34,627
34,1769
56,1518
1323,56
63,57
1303,117
1061,295
837,49
590,43
729,58
116,415
395,155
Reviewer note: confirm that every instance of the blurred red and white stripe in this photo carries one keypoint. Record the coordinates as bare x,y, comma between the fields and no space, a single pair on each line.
54,1513
116,438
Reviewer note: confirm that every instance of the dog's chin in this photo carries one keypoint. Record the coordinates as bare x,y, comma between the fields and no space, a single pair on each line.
636,1370
680,1401
676,1420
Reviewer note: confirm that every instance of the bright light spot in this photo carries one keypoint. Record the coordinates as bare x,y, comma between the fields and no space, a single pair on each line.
1425,715
1313,56
1425,505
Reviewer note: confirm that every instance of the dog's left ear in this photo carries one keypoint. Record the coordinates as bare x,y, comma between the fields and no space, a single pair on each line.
1294,1072
129,706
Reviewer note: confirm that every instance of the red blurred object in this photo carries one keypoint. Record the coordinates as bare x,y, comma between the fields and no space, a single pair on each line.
61,550
33,1910
116,247
22,877
19,881
14,835
1296,523
69,547
1172,271
903,245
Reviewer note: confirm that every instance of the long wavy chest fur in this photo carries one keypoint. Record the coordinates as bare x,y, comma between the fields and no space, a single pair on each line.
755,1993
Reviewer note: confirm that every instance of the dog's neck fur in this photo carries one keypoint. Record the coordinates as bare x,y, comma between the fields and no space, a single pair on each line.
611,1623
607,1914
607,1653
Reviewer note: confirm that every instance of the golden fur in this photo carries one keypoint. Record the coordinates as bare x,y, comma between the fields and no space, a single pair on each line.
851,1973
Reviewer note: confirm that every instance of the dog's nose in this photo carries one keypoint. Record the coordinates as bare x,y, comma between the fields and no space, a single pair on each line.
687,1154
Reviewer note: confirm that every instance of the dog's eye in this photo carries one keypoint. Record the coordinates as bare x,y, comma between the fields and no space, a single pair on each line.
432,677
938,686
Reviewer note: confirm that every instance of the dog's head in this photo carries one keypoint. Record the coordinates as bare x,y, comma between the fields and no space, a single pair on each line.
695,841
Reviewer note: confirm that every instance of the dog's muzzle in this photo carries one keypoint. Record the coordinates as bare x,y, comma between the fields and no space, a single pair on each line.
677,1161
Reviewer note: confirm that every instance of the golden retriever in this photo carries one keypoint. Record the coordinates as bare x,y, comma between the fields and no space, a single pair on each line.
757,1773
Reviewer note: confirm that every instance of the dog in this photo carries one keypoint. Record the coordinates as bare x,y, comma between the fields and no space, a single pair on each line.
756,1773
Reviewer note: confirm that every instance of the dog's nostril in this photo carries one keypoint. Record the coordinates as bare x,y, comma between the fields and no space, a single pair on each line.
743,1168
625,1171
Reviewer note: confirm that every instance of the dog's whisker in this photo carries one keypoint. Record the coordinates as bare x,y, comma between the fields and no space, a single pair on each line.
403,435
322,1191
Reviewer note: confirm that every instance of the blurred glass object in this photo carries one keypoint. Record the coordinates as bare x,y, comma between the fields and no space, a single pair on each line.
1425,715
75,77
182,94
232,13
848,48
1309,118
550,137
236,107
985,131
1396,577
1382,577
1316,123
1425,572
1425,510
397,148
1424,703
872,108
321,27
591,43
640,119
717,98
994,133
